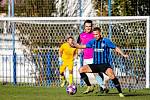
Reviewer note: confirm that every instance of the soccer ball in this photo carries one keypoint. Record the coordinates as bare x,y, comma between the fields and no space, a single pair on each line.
71,89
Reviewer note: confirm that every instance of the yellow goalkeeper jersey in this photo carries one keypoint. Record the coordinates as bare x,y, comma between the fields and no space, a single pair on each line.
68,52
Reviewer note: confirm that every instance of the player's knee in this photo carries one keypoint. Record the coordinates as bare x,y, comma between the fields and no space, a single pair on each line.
111,76
81,70
84,69
106,78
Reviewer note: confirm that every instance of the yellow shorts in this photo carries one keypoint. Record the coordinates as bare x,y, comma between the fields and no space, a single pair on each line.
65,64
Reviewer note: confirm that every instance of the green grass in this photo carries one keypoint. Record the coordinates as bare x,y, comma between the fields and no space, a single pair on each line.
8,92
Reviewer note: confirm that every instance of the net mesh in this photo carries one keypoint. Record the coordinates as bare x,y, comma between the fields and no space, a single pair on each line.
37,43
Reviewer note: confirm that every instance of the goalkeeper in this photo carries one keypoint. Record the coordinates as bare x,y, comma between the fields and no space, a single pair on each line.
101,47
67,58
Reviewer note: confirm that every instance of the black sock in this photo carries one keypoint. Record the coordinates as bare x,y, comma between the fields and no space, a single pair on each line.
85,78
117,84
101,75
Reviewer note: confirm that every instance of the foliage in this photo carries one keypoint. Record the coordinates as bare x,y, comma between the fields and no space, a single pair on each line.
32,8
47,8
38,8
123,7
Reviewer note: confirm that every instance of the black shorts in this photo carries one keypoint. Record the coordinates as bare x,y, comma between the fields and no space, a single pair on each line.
97,68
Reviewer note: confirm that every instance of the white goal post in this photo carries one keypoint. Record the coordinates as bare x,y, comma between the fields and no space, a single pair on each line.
131,33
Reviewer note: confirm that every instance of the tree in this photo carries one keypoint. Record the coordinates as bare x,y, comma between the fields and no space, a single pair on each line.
38,8
123,7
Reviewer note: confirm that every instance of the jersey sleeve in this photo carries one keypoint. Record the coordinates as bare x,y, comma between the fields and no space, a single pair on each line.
79,40
61,48
90,44
110,44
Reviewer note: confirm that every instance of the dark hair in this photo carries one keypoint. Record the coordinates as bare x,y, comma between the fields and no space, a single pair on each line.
88,21
97,29
70,37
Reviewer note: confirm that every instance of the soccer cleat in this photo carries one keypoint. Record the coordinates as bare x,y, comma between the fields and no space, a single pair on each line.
121,95
104,90
96,89
63,83
89,89
101,90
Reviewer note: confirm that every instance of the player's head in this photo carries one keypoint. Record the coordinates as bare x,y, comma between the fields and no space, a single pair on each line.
97,33
70,40
88,26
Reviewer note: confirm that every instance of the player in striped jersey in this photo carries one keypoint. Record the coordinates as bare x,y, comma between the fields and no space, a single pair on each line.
101,47
87,54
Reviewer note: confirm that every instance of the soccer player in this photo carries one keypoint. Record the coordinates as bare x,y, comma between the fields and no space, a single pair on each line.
83,39
67,55
101,47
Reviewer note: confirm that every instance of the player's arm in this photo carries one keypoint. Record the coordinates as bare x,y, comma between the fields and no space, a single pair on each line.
61,51
79,46
113,46
76,54
79,40
117,49
88,45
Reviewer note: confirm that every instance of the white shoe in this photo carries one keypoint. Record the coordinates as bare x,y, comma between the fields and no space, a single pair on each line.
89,89
63,83
121,95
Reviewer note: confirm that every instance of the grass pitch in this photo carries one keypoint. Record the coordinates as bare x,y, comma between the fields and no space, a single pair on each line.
8,92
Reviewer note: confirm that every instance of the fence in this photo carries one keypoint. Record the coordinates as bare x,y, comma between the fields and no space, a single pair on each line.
29,48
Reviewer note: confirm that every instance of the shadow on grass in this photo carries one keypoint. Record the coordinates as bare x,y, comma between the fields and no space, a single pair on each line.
137,94
113,94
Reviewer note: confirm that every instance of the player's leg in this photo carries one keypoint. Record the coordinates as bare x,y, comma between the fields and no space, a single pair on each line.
106,79
100,82
83,70
62,77
111,75
98,78
70,67
90,75
101,79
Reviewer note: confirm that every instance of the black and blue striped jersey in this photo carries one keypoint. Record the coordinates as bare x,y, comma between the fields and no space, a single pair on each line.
101,50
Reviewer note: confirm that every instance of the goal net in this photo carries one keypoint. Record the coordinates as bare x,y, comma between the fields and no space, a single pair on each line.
29,48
